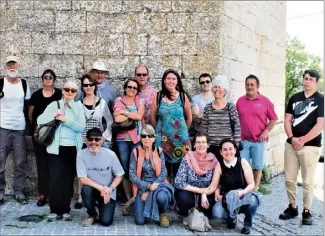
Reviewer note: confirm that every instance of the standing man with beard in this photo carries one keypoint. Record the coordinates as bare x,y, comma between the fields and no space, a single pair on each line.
14,93
147,92
100,172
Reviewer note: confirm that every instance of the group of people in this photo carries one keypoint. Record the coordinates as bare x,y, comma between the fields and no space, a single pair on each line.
165,147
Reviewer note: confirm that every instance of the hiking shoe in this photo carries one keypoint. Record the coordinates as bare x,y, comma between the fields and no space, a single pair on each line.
232,225
289,213
53,217
66,217
2,199
78,205
164,220
245,231
88,221
41,200
126,210
307,218
20,197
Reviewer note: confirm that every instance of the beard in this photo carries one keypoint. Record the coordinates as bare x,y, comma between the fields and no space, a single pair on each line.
12,73
94,148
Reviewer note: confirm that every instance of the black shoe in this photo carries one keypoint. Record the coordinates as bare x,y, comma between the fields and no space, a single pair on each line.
78,205
307,218
20,197
232,225
2,199
289,213
245,231
41,200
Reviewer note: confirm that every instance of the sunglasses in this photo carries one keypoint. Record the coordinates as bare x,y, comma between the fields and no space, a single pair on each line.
139,75
147,136
72,90
48,77
88,85
94,139
205,82
131,87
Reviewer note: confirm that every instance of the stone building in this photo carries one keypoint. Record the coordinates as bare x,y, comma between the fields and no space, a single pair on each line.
234,38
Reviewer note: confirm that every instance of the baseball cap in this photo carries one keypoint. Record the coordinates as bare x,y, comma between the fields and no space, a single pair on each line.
99,65
94,132
12,58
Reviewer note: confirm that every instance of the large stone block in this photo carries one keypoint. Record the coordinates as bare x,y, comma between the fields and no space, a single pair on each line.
174,44
58,5
193,66
36,20
151,22
135,44
12,42
246,18
110,6
109,44
209,44
196,6
231,10
3,5
159,64
20,5
46,42
8,20
85,5
147,6
70,21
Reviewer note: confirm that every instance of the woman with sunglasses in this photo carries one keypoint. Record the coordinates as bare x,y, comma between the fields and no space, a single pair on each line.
171,115
63,150
130,106
149,175
37,104
96,111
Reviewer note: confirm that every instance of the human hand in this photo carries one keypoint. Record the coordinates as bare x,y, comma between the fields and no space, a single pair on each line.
62,118
206,191
263,137
153,186
204,201
58,113
217,195
295,142
105,190
144,196
107,198
241,193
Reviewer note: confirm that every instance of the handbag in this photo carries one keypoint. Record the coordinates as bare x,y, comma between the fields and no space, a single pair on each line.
126,125
44,134
196,220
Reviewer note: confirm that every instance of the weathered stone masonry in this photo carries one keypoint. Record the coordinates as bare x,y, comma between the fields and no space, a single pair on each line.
228,37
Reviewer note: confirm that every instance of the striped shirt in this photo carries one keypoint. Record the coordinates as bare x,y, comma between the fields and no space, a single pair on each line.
216,123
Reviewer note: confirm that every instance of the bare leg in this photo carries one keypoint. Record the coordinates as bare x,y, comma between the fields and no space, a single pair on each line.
257,178
79,191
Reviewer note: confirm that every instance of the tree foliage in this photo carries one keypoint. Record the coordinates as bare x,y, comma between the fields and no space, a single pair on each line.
297,61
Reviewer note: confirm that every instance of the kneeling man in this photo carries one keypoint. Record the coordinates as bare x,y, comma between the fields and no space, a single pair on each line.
100,172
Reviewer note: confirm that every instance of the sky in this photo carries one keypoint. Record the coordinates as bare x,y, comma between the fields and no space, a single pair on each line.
305,20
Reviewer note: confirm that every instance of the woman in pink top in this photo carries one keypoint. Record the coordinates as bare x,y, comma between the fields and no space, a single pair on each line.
132,107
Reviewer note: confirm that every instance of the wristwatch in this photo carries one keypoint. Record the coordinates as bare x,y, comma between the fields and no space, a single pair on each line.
112,188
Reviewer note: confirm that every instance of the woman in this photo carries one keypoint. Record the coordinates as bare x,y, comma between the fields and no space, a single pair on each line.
96,111
148,174
171,115
234,173
194,177
63,150
37,104
220,118
130,106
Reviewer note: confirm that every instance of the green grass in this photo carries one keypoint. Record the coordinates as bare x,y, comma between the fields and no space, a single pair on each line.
264,190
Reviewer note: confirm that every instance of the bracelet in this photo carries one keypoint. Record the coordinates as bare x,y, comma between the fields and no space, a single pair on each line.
112,188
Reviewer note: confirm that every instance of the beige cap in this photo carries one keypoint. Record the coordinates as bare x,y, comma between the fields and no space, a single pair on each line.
12,58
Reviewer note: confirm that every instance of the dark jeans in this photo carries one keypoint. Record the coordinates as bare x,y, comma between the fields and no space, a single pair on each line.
125,149
138,207
106,211
216,151
185,200
15,140
42,168
62,170
172,169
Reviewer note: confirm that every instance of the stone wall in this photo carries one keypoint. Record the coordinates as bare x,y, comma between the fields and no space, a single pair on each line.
234,38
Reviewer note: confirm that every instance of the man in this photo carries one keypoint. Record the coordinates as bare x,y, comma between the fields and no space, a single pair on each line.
199,101
147,92
14,94
257,118
99,172
104,90
304,121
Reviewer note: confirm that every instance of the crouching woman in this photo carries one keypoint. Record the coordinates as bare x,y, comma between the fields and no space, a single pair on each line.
152,194
234,178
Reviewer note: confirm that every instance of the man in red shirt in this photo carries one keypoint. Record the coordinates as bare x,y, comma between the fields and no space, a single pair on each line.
257,118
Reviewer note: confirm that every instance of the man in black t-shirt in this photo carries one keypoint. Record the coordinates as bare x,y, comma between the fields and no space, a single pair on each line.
304,120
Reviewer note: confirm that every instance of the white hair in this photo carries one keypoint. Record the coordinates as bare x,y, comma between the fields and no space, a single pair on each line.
71,83
222,81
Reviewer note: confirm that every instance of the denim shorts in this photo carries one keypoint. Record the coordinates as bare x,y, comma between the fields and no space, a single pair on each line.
253,152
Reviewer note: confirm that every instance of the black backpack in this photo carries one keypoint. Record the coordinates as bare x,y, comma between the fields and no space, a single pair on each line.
159,97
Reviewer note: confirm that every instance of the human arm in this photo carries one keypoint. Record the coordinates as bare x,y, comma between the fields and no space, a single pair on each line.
154,110
235,118
188,112
30,113
273,119
248,175
79,123
142,185
138,115
48,114
205,120
109,120
313,133
163,174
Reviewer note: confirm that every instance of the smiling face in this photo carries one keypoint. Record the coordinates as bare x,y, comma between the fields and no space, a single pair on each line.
171,82
99,76
94,143
88,87
201,144
141,75
205,84
48,80
309,83
228,151
219,92
131,89
147,139
251,87
12,69
69,90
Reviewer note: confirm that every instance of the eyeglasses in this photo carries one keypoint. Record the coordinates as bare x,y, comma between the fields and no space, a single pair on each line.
88,85
48,77
147,136
143,75
72,90
94,139
205,82
132,87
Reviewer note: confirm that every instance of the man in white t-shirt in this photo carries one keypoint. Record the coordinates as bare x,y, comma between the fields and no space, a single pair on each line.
14,92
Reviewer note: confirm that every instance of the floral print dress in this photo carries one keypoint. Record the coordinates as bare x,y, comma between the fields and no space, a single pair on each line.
171,130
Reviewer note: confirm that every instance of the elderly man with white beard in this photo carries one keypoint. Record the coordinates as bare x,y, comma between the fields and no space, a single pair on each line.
14,94
100,172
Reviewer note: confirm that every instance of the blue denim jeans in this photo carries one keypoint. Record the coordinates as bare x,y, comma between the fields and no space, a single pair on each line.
107,144
253,152
249,210
138,207
124,149
106,211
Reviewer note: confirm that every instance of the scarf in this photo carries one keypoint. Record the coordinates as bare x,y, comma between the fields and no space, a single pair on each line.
201,166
